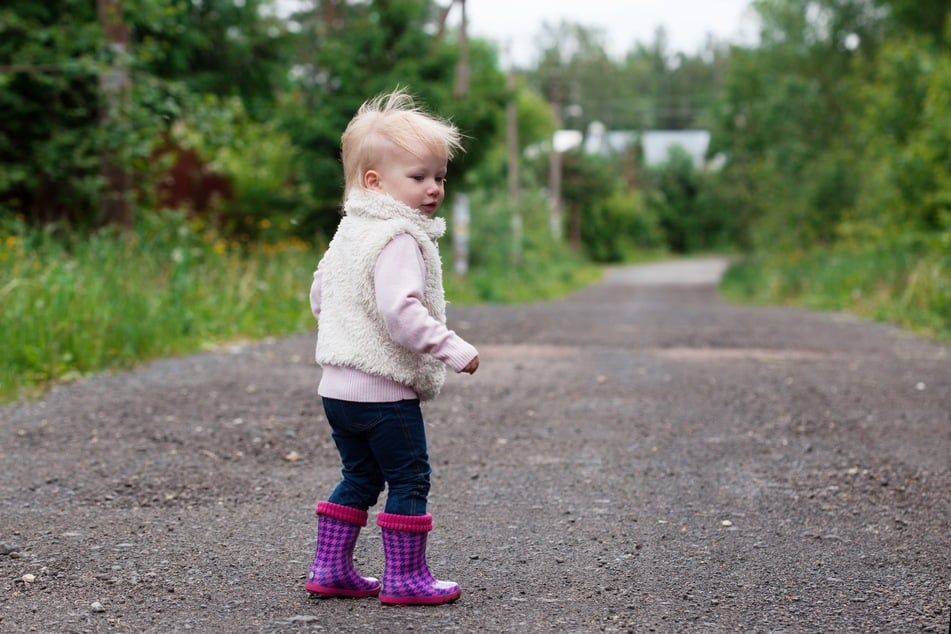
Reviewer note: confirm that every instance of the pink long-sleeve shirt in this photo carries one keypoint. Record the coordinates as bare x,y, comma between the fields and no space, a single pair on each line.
398,279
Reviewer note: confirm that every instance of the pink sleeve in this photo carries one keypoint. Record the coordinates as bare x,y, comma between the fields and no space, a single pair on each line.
399,279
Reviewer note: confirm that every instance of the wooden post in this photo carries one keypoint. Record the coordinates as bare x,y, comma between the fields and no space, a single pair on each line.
460,235
511,139
460,216
329,10
554,167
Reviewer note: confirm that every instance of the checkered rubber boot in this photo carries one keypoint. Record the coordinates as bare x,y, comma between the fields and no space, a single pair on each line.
332,573
406,577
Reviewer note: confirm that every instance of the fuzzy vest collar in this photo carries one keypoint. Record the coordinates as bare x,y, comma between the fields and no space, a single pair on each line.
362,203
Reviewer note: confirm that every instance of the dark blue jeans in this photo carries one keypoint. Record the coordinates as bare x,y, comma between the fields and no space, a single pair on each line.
380,444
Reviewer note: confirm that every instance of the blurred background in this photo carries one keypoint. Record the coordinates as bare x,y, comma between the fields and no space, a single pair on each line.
170,173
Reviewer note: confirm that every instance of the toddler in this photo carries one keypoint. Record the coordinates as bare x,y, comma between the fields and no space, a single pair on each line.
384,346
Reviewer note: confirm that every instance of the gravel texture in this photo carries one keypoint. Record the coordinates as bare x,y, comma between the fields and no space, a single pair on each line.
640,456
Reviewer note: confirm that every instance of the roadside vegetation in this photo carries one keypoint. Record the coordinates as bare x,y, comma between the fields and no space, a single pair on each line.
184,203
908,289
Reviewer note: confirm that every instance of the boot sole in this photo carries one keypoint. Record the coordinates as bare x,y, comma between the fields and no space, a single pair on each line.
437,600
325,591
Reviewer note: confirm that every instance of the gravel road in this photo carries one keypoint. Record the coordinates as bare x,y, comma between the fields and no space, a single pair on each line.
641,456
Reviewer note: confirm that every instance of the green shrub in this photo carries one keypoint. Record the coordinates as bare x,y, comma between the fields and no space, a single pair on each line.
614,228
107,301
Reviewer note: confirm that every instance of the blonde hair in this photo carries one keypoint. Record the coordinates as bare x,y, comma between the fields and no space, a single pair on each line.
387,120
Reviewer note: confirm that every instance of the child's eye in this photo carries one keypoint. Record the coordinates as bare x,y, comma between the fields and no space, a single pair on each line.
417,178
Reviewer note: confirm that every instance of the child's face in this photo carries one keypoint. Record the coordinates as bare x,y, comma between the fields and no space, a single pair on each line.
416,181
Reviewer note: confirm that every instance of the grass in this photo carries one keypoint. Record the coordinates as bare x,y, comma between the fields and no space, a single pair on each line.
910,288
527,282
73,307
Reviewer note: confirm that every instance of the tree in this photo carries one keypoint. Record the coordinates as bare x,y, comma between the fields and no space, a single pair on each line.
907,191
787,115
219,47
649,88
52,55
49,140
370,48
669,91
921,18
836,126
576,69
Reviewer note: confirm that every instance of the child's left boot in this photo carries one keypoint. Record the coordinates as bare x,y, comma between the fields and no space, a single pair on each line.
406,576
332,574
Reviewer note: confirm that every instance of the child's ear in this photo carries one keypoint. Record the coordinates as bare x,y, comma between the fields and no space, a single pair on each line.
372,180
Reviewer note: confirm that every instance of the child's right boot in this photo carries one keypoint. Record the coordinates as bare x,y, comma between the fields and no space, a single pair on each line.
332,574
406,576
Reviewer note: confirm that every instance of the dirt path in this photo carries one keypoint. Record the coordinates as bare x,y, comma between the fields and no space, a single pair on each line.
639,457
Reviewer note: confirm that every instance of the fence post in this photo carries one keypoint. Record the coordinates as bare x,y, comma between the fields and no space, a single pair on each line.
460,234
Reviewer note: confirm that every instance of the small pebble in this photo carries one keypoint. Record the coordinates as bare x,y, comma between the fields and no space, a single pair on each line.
97,607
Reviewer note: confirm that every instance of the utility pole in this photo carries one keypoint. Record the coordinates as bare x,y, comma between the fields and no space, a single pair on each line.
462,69
329,11
460,208
115,84
511,139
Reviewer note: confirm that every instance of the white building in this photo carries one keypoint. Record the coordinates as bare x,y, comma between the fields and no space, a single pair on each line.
655,144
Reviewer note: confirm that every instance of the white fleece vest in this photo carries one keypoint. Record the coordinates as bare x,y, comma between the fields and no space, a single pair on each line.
351,332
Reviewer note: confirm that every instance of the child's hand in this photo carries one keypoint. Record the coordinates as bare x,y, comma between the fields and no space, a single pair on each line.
473,366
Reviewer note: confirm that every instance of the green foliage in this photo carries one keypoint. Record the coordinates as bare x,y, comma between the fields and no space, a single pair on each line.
266,194
832,117
909,155
535,119
606,220
215,47
839,143
49,145
107,301
786,117
896,285
616,206
677,186
371,48
616,227
53,54
919,18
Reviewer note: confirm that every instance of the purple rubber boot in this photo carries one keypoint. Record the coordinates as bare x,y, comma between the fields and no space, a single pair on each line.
406,577
332,573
